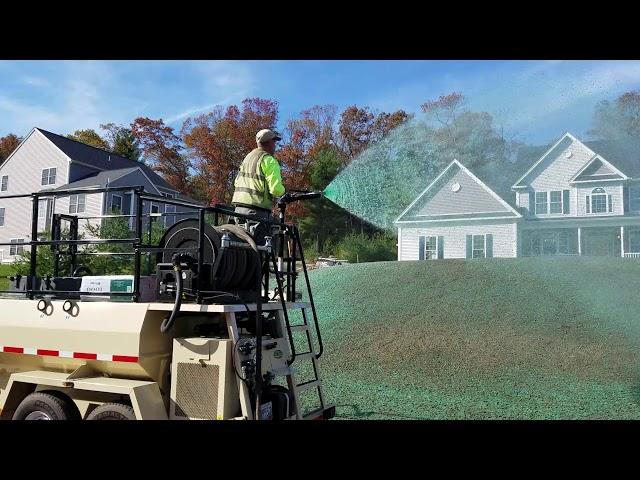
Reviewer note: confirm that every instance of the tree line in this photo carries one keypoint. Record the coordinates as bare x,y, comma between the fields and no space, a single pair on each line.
201,159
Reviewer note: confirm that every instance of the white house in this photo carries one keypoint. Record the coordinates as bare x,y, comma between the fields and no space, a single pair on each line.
575,199
46,161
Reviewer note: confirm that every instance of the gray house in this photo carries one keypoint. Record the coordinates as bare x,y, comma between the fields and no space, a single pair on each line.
46,161
575,199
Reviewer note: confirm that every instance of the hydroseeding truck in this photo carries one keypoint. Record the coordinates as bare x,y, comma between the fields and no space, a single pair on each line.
209,336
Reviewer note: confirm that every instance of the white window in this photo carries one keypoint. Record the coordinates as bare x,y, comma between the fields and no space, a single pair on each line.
478,246
16,248
430,248
634,199
42,208
155,208
598,200
1,217
5,183
116,204
169,209
541,202
555,201
77,203
49,176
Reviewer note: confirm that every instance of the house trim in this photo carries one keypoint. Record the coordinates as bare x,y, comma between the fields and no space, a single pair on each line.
600,180
458,219
460,213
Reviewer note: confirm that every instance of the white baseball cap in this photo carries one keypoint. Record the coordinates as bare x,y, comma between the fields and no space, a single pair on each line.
265,135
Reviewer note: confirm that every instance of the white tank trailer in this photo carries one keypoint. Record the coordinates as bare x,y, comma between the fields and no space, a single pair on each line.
186,343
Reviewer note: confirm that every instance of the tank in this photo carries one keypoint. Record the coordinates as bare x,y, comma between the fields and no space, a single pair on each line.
113,339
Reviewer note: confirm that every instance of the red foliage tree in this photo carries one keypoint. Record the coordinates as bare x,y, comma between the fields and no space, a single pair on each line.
161,146
218,141
360,127
8,144
306,136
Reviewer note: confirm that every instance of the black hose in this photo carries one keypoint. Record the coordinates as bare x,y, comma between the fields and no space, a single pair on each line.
167,323
176,260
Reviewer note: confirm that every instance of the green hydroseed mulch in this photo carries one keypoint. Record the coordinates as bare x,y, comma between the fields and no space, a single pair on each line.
548,338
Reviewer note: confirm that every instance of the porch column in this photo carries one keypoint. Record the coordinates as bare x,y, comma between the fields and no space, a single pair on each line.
622,241
579,241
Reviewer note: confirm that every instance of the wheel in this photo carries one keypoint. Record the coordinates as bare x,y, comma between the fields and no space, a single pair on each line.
112,411
45,406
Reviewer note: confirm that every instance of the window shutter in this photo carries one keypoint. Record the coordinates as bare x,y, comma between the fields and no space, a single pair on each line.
469,246
488,245
421,249
588,206
566,204
532,203
609,203
440,247
627,199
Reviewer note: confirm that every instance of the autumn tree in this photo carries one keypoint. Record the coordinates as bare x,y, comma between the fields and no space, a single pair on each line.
306,135
89,137
8,144
619,119
162,148
468,136
218,141
360,127
122,141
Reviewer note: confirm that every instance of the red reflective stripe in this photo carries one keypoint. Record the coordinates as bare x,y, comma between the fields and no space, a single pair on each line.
50,353
13,349
86,356
124,358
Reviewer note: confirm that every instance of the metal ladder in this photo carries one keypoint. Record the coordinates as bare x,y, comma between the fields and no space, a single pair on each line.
316,383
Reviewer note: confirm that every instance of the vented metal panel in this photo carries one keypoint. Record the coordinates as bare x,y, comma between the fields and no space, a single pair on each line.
197,391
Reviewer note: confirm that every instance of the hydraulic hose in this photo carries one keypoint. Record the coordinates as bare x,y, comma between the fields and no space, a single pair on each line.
168,322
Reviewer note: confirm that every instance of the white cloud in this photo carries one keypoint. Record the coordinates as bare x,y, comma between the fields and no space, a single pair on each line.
188,112
36,82
229,81
24,116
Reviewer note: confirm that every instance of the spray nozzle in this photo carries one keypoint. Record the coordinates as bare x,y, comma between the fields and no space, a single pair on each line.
296,195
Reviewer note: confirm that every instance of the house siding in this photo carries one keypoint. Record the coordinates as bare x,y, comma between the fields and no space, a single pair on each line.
612,188
555,172
504,239
24,169
471,198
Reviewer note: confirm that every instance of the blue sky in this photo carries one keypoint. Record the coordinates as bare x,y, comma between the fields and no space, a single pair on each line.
535,100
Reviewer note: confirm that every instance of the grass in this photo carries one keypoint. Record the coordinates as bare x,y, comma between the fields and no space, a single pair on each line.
5,271
548,338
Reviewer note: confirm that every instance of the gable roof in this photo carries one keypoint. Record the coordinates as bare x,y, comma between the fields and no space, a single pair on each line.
610,170
510,211
101,159
517,184
624,155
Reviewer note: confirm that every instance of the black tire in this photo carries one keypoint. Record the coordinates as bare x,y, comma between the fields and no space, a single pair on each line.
71,408
44,406
112,411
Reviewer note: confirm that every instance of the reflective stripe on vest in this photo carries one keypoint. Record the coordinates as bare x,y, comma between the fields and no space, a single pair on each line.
250,183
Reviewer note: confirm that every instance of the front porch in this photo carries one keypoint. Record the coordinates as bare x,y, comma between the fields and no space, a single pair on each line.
600,241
